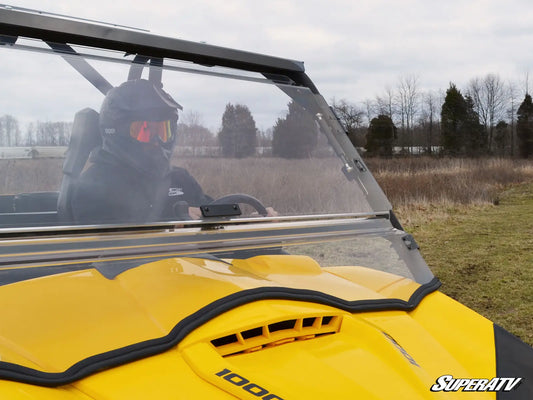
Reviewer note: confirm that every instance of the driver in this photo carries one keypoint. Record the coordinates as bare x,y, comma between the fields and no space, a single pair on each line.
130,178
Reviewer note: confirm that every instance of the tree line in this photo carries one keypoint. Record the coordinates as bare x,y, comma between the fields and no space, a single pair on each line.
36,134
488,117
294,135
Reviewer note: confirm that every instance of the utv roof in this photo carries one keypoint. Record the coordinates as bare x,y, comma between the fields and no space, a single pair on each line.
15,21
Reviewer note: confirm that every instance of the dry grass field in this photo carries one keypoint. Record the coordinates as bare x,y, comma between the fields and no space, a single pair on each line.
422,189
30,175
292,187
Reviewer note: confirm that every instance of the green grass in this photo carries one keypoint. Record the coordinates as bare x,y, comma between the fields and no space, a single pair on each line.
484,257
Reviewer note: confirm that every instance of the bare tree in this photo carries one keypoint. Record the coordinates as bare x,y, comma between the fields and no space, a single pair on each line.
408,104
385,104
192,132
351,117
526,83
511,112
490,100
430,110
476,91
9,131
349,114
497,97
192,118
53,133
370,110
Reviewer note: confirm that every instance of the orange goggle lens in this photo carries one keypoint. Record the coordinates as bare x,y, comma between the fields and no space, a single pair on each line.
144,131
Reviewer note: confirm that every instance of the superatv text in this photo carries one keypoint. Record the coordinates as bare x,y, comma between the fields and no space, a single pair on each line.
448,383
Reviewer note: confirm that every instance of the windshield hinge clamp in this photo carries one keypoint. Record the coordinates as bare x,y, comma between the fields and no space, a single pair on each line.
410,242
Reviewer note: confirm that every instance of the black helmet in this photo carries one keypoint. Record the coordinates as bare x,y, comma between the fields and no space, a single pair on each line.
138,122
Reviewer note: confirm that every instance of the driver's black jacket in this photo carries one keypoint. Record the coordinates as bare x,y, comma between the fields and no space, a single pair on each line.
111,192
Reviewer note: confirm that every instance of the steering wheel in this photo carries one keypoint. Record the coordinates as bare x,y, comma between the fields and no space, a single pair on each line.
242,198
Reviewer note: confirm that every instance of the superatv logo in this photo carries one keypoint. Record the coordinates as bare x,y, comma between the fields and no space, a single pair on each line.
448,383
246,385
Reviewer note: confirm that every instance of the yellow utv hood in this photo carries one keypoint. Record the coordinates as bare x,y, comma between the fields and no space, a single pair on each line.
269,325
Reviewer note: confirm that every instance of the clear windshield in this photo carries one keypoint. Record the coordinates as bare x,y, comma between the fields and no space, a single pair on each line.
235,134
99,138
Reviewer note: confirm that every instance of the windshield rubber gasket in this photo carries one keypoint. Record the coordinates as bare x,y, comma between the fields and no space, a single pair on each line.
114,358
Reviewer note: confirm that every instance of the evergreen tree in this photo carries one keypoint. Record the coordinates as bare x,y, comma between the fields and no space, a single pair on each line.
294,136
500,137
453,117
461,131
524,127
381,134
473,132
238,135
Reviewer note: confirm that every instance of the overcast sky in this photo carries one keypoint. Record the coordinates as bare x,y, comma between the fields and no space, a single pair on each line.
351,49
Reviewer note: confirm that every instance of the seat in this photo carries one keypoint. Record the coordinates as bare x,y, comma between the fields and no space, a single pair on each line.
84,138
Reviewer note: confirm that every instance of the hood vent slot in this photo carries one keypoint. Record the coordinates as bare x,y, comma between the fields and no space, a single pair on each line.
223,341
276,333
282,326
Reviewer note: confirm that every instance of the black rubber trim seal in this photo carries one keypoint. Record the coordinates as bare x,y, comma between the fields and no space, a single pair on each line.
514,359
81,369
